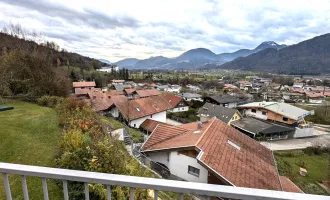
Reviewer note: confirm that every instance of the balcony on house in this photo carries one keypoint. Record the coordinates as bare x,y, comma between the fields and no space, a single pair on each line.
199,189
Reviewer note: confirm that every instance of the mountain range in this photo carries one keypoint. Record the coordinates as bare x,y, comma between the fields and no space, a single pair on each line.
105,61
307,57
194,58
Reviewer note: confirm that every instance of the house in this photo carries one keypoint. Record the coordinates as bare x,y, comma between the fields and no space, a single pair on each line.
146,93
173,89
109,69
244,85
223,100
227,115
129,92
230,87
275,111
275,86
118,82
298,85
178,103
212,152
193,88
149,125
316,98
263,130
80,86
134,112
192,97
281,113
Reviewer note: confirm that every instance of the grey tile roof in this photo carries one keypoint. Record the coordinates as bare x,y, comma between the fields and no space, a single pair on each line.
222,113
256,126
225,99
191,95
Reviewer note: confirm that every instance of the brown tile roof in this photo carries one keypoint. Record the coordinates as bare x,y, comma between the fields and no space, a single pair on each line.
83,84
172,99
79,91
150,124
137,108
252,165
101,104
289,186
129,91
148,93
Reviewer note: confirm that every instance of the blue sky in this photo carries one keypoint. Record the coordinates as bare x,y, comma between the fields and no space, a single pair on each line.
118,29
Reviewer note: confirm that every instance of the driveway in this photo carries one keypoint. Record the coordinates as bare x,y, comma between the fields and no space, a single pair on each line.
299,143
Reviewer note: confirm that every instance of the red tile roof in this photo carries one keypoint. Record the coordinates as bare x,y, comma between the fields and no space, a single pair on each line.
137,108
252,165
289,186
129,91
101,104
83,84
150,124
79,91
172,99
148,93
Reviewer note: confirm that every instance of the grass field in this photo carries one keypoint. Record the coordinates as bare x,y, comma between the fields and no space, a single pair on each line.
316,165
29,135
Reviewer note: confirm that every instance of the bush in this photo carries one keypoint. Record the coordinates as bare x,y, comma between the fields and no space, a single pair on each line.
49,101
316,149
291,153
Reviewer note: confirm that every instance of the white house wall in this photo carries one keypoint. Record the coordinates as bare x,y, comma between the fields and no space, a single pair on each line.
161,117
114,112
180,109
258,114
178,165
161,157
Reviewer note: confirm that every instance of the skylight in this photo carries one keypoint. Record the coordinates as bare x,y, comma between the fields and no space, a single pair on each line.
138,109
234,145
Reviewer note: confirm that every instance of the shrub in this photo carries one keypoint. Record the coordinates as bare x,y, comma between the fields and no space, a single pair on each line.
49,101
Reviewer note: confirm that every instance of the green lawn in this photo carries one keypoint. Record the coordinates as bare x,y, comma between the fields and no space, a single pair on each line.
29,135
115,124
316,165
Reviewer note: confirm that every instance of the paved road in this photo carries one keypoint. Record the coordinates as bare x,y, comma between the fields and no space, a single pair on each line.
298,143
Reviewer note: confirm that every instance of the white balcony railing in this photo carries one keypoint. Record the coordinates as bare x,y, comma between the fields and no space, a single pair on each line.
138,182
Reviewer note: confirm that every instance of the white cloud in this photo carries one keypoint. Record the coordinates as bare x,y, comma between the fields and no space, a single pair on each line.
120,29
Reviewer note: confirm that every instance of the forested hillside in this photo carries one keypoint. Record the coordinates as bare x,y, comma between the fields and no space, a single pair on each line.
58,56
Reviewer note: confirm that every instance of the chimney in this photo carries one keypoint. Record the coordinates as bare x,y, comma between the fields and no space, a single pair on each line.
109,97
204,118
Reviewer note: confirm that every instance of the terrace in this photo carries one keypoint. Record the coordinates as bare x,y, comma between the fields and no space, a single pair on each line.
137,182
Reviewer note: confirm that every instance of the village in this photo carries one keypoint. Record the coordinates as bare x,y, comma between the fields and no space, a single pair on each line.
185,134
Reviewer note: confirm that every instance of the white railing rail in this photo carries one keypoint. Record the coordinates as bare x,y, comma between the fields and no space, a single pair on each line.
138,182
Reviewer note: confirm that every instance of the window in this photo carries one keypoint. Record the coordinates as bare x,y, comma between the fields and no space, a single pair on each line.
150,116
253,110
138,109
134,125
285,119
193,171
264,112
